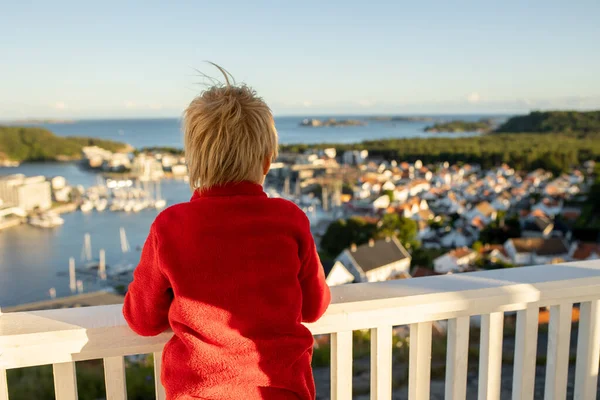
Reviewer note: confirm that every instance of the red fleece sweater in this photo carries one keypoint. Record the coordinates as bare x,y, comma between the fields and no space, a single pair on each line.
234,274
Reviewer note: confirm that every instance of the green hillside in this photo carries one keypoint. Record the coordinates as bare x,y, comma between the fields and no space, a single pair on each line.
553,121
19,143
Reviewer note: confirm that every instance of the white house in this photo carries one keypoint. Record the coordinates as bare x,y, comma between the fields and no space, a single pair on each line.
381,202
401,193
339,275
389,185
457,260
418,185
535,251
376,261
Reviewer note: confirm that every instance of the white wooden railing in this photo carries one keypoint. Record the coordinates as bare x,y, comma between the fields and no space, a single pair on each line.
61,337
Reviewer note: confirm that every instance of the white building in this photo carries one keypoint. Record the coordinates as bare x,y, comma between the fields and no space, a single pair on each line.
530,251
26,193
457,260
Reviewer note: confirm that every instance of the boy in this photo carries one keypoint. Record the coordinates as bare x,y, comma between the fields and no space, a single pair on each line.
232,272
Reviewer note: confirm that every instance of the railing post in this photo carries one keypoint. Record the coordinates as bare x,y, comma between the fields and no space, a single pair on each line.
114,377
381,363
490,356
525,353
559,341
419,375
457,358
588,351
341,365
159,388
3,385
65,381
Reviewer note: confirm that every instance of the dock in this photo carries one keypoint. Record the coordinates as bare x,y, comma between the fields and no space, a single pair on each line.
6,223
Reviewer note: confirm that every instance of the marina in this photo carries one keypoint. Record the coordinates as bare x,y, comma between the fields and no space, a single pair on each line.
120,232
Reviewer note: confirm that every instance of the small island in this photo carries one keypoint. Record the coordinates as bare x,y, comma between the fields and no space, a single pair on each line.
457,126
317,123
22,143
387,118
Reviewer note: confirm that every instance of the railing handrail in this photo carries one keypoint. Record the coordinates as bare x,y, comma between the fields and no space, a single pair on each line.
65,335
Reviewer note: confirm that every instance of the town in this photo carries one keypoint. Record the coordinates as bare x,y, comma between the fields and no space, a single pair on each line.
372,219
382,220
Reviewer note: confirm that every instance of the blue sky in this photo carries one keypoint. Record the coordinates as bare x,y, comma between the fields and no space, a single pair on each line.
81,59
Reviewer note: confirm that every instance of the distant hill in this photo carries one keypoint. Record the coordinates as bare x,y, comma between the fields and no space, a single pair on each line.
38,144
553,121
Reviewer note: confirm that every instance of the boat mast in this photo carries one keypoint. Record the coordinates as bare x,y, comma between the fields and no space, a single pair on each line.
124,243
86,251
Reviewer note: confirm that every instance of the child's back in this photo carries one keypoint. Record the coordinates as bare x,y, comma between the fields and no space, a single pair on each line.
234,274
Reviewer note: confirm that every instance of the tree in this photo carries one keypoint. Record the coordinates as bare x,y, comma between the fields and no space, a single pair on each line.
342,233
404,229
500,230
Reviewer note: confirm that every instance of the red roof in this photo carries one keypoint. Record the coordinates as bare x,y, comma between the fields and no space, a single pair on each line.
419,272
460,252
585,250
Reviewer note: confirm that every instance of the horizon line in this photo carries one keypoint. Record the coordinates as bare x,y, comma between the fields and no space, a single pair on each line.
42,120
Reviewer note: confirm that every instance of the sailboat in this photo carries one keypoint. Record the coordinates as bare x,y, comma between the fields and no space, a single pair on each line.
101,204
159,203
86,253
123,267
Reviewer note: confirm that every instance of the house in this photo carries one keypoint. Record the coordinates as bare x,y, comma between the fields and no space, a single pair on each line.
548,207
401,193
419,272
457,260
418,185
585,251
381,202
413,206
537,226
375,261
483,210
336,274
424,215
531,251
496,253
451,203
503,202
456,238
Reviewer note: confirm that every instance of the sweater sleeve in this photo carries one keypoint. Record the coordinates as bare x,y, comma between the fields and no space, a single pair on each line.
149,296
315,292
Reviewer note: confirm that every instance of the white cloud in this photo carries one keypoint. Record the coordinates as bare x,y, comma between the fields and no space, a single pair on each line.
130,104
473,98
155,106
366,103
307,103
60,105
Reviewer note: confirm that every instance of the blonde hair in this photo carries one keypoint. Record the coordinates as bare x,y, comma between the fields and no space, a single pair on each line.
228,133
